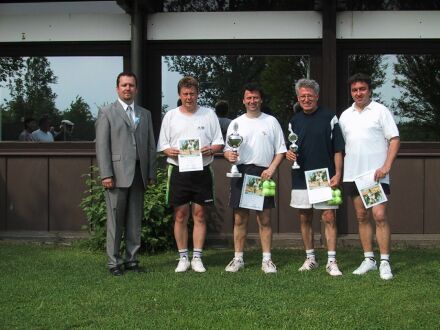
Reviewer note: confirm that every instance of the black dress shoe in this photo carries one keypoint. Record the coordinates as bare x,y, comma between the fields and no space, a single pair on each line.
135,268
116,271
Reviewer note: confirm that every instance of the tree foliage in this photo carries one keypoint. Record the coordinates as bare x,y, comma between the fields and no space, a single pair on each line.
419,104
374,66
223,77
31,92
79,113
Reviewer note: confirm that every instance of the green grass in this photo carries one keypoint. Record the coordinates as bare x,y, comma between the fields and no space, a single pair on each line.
53,287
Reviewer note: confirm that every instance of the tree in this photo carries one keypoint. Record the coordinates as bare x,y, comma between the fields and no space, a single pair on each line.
223,76
419,104
79,113
31,94
9,66
374,66
281,92
220,76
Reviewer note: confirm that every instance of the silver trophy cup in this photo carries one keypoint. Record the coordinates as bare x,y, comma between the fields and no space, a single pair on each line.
234,140
294,147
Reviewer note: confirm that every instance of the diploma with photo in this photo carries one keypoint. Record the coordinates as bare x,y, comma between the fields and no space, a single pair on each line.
318,185
252,193
371,191
190,156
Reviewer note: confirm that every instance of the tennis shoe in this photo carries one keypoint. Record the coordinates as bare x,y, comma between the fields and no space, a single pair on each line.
366,266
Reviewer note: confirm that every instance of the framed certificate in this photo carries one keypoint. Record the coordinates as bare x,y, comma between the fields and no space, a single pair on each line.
252,193
318,185
371,191
190,156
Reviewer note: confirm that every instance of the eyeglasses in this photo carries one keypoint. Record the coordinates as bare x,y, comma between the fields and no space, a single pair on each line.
307,96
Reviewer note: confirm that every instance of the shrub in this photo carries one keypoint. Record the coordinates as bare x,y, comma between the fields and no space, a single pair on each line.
157,223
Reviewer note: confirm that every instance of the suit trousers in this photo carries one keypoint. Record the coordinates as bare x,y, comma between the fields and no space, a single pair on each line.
124,218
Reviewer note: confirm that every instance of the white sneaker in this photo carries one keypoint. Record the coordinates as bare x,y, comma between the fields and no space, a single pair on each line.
385,270
197,265
183,265
235,265
268,267
309,264
332,269
366,266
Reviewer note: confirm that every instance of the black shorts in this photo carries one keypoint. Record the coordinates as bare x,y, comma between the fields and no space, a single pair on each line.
351,190
237,184
190,187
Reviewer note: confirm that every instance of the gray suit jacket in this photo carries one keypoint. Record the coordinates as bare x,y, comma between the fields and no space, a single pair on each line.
116,142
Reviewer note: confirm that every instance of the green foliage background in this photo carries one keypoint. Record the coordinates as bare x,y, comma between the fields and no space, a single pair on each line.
157,223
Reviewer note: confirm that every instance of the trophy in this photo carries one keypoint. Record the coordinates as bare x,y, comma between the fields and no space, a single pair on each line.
234,140
293,146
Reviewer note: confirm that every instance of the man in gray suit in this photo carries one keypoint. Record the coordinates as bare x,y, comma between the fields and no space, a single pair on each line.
126,154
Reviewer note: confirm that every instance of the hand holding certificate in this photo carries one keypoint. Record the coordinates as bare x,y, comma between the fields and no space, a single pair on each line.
371,191
190,155
318,185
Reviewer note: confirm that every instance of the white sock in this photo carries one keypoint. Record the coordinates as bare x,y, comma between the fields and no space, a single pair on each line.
238,255
266,256
197,253
369,255
331,256
385,257
310,254
183,253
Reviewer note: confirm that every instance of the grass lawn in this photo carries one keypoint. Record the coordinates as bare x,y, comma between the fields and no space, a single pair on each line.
53,287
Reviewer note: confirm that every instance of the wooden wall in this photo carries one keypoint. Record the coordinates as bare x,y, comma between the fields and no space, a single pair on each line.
41,186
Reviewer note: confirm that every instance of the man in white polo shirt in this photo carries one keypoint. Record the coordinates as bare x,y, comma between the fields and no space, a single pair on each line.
371,143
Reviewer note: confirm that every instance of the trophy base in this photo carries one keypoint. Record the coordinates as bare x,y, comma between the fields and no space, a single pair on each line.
233,175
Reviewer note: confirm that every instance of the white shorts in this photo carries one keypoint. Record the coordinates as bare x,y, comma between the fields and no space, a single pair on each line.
300,200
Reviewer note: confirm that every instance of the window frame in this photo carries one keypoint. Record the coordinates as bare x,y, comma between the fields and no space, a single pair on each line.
345,48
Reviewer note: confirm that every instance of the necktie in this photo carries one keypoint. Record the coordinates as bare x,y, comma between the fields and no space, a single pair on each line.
130,114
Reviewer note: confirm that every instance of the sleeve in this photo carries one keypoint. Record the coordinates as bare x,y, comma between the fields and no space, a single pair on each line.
164,141
102,144
152,164
336,133
279,142
217,137
389,126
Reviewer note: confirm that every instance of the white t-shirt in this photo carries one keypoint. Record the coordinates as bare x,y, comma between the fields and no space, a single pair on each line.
41,136
202,124
367,134
262,139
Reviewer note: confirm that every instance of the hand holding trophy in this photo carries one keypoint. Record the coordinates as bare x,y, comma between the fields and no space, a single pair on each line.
234,140
294,147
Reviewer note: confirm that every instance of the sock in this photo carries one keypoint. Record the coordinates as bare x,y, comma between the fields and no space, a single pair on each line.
310,254
369,255
197,253
238,255
385,257
331,256
266,256
183,253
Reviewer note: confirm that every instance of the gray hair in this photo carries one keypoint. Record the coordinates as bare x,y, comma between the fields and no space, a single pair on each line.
307,83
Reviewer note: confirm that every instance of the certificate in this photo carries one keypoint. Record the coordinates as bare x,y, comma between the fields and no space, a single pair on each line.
190,156
371,191
252,193
318,185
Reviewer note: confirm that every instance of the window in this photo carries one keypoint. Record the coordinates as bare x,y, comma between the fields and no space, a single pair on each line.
409,85
221,77
60,87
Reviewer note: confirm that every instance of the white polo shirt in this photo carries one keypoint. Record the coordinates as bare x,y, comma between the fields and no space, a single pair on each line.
201,124
367,134
262,139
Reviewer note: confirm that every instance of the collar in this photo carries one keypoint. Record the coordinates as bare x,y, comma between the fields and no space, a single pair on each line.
125,105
